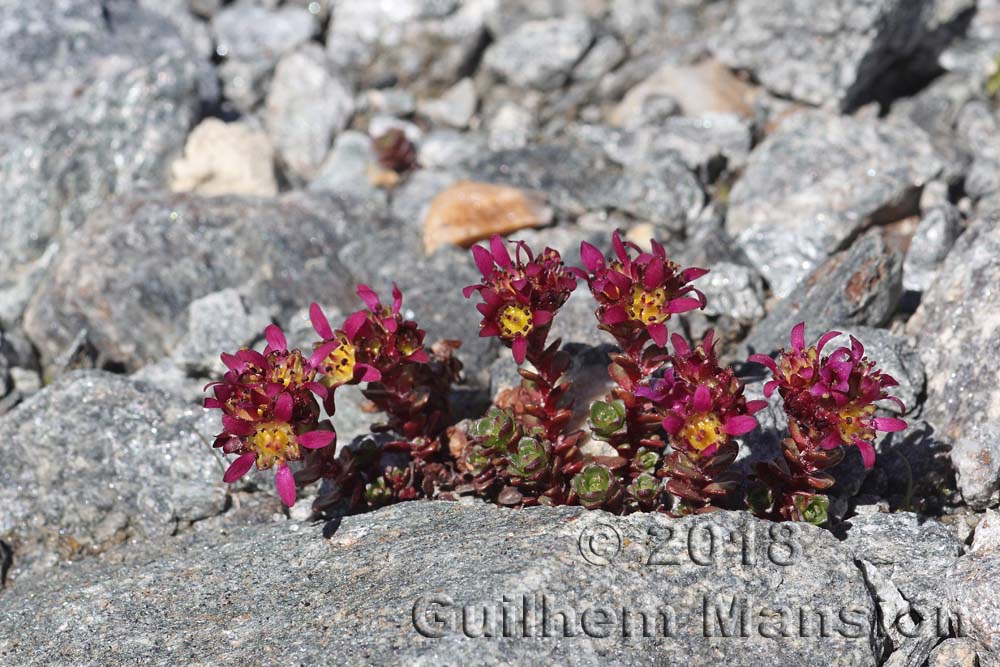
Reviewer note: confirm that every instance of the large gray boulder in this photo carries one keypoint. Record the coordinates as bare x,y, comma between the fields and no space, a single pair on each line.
958,332
413,584
131,272
94,98
96,460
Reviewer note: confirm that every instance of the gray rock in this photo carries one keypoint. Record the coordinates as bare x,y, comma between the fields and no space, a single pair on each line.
935,235
987,535
422,45
982,179
957,327
858,286
306,107
540,54
252,39
734,291
455,108
92,104
384,598
954,652
412,199
95,460
134,268
346,170
974,602
835,53
391,101
606,54
511,127
663,192
914,552
819,180
441,149
976,457
219,322
245,31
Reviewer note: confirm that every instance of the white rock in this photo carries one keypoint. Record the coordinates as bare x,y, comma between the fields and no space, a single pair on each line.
225,158
455,108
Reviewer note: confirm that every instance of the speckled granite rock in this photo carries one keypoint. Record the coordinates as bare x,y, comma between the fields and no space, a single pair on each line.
817,182
133,269
390,587
836,52
95,460
94,98
957,327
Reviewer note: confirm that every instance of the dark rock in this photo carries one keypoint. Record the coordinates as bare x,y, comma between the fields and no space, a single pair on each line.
913,470
95,460
845,54
378,581
856,287
134,268
958,329
94,97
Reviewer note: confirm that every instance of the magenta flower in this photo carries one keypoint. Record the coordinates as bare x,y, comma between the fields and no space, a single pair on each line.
636,294
520,295
832,399
703,404
269,412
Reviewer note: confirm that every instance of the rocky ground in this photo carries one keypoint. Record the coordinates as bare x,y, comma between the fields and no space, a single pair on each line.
177,174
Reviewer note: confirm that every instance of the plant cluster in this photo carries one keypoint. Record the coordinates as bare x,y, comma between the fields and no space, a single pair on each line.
662,439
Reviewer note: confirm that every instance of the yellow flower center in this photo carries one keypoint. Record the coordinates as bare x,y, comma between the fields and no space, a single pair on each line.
647,307
703,430
339,365
851,423
515,320
290,370
274,442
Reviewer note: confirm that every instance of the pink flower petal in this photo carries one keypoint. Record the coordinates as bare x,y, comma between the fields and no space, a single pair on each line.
867,452
468,290
770,387
658,332
520,349
890,424
739,425
275,338
322,352
614,315
370,298
764,360
354,323
366,373
320,324
488,329
702,399
754,407
499,251
680,345
692,274
239,467
653,276
236,426
540,318
831,441
286,484
672,423
316,439
591,257
484,260
397,299
683,305
317,388
419,356
616,242
824,339
283,408
799,337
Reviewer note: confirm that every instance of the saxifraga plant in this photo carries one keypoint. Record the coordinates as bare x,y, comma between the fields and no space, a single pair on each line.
669,422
